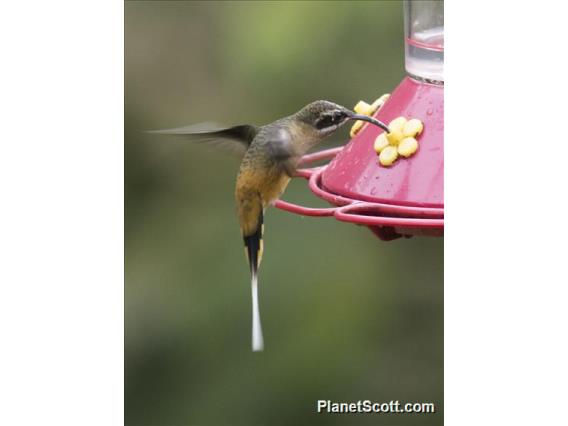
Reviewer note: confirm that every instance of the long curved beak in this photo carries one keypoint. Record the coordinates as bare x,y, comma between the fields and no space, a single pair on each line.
353,116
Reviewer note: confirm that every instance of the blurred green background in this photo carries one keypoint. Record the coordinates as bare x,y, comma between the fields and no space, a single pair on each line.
345,316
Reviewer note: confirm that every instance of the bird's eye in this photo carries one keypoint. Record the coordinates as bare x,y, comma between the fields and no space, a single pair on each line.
325,121
338,116
329,120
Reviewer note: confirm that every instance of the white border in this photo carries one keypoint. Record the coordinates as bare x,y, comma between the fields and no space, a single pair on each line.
61,174
61,239
505,236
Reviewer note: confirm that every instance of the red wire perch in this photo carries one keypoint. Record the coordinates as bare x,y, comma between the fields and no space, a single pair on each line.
307,174
305,211
359,212
349,214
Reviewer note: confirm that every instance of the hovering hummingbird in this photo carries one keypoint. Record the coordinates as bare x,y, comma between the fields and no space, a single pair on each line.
271,154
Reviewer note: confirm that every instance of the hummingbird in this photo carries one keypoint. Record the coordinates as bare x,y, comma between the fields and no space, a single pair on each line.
270,156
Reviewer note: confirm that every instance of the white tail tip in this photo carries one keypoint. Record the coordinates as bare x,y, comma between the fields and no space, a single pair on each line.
257,340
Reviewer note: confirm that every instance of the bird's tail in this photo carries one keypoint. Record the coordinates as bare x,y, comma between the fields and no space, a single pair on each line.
253,249
257,340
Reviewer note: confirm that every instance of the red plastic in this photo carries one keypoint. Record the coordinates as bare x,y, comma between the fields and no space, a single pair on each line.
405,199
416,181
387,221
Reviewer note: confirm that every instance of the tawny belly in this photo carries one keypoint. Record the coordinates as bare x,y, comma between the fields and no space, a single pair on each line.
274,188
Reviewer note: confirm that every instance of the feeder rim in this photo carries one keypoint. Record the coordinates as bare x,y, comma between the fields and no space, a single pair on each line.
347,210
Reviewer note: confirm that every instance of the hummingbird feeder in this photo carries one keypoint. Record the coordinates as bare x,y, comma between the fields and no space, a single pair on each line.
406,198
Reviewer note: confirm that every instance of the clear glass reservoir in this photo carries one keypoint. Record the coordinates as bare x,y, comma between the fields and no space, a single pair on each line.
424,39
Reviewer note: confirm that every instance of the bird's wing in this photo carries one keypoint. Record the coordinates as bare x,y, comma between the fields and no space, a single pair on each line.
236,138
281,149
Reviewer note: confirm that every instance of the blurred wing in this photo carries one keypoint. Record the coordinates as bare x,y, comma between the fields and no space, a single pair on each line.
279,145
236,139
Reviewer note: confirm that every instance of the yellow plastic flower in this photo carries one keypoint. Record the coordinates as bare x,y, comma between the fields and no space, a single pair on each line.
363,107
401,140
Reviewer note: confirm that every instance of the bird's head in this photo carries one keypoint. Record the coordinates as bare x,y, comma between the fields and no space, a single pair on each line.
326,117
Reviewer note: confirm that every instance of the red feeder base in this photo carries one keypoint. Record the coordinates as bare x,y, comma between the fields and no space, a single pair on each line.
405,199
